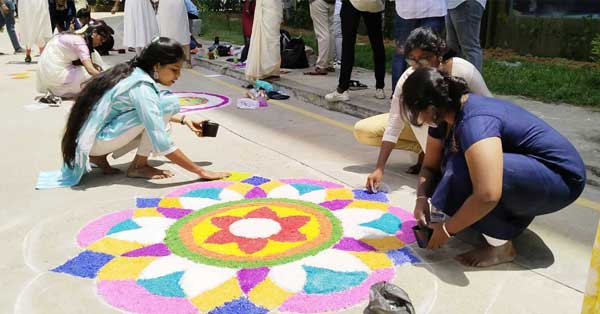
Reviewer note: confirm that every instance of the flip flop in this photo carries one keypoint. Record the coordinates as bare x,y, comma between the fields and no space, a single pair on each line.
356,85
277,96
316,71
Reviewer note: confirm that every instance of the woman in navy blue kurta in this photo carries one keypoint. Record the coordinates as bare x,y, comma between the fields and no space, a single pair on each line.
491,165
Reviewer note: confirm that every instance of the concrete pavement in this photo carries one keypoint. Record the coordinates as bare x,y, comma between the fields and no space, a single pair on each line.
287,139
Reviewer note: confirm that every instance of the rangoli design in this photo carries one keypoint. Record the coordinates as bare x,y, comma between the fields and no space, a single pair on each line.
193,101
247,244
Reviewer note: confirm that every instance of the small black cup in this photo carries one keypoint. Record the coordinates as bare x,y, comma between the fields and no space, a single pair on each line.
209,129
422,234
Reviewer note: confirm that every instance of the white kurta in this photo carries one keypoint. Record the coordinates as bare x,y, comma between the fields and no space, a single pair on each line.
34,23
264,58
140,25
173,21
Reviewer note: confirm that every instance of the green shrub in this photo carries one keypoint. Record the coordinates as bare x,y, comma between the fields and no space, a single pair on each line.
596,48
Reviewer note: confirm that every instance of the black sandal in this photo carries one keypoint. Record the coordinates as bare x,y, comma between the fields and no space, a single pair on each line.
356,85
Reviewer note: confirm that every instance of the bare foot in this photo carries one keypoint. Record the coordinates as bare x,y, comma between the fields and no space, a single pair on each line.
103,164
147,172
209,175
488,255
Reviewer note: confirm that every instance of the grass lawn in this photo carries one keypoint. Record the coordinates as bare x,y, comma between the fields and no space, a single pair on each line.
547,80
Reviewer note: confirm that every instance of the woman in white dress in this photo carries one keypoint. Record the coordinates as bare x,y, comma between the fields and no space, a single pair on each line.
264,59
34,25
140,25
68,61
173,23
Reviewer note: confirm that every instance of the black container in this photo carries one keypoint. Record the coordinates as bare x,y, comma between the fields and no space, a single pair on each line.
209,129
422,234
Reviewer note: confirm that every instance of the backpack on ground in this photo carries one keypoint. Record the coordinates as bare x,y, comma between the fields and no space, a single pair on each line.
293,55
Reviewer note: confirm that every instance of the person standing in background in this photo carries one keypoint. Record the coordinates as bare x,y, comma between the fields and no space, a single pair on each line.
7,17
173,23
139,24
264,57
337,30
62,14
248,7
321,13
351,12
410,15
34,25
463,24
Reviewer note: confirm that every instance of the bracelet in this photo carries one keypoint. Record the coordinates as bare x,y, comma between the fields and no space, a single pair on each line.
182,119
422,197
446,230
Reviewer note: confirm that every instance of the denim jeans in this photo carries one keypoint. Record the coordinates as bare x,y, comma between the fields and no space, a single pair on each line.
462,31
403,28
8,19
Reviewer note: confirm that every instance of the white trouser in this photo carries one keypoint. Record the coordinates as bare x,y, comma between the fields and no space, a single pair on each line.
126,142
321,13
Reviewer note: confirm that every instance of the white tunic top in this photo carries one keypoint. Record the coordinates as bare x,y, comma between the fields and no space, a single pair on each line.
140,25
418,9
460,68
173,21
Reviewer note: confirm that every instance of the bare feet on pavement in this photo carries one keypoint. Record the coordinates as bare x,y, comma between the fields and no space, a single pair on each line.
210,175
147,172
488,255
103,164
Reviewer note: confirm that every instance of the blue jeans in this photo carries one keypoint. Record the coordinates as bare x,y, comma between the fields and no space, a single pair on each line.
462,31
8,19
402,28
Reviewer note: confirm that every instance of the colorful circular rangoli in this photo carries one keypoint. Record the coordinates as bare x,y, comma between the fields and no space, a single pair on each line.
247,244
194,101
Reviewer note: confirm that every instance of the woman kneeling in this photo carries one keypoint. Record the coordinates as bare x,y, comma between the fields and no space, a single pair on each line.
123,108
490,165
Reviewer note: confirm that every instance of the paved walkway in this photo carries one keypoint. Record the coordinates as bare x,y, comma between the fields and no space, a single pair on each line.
292,138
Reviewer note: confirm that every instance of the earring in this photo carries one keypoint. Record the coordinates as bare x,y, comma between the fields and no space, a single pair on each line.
155,75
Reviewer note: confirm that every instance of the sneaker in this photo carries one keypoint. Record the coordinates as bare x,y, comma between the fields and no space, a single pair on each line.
379,93
20,50
335,96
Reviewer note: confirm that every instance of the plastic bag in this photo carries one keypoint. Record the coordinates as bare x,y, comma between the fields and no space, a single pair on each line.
386,298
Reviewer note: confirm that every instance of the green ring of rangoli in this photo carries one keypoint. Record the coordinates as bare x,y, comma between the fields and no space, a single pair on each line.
178,247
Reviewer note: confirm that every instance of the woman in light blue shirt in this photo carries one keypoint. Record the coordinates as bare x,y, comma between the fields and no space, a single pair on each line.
123,108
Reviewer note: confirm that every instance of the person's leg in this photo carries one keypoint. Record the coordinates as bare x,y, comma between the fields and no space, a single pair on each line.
319,11
337,30
402,29
244,55
139,167
350,18
466,19
370,131
9,21
435,23
373,21
451,37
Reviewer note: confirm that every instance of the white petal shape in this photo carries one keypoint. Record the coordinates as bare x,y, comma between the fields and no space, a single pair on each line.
352,218
152,230
285,191
200,278
336,260
196,203
166,265
290,277
316,197
229,195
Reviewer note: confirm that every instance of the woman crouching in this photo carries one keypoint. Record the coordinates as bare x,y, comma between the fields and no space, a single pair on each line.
121,109
490,165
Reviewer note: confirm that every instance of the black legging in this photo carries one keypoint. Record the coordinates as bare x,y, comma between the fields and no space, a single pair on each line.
350,17
244,55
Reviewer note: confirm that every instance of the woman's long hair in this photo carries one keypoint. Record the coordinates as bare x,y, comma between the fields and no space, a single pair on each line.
161,51
431,87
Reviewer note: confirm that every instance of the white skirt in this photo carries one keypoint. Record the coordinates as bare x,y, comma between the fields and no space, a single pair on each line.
173,21
34,23
264,58
140,25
